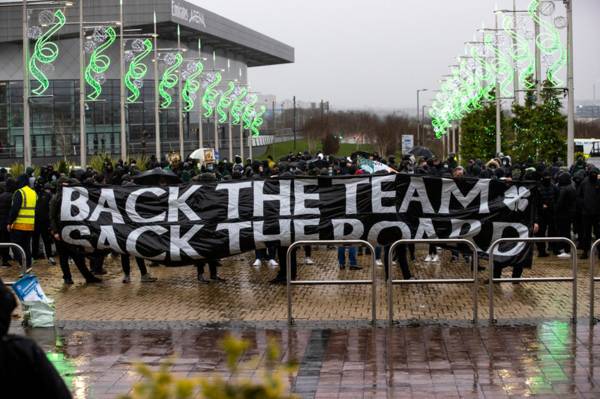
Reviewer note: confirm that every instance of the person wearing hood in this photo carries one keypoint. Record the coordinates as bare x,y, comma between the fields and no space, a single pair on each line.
63,250
564,211
42,225
25,371
548,195
21,218
589,194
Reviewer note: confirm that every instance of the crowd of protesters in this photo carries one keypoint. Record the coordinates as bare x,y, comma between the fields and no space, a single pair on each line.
568,205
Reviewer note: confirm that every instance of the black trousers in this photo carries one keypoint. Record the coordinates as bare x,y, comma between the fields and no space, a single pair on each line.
126,265
282,273
589,223
212,267
97,262
64,254
547,229
400,257
43,232
517,271
563,229
307,251
23,239
4,238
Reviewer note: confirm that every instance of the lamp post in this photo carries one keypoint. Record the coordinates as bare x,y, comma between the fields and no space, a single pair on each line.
157,142
26,116
418,116
570,86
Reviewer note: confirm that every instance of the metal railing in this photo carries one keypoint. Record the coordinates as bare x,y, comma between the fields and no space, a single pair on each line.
372,281
593,279
23,261
391,282
572,279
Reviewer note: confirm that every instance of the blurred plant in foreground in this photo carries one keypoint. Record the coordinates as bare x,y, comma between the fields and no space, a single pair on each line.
272,385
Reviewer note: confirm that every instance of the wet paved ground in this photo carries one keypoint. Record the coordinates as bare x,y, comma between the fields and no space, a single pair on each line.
550,360
107,329
248,296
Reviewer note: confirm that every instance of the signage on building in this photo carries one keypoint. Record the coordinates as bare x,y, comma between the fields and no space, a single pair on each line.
182,10
408,142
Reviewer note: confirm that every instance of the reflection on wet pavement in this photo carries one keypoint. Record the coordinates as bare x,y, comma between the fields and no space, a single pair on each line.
552,359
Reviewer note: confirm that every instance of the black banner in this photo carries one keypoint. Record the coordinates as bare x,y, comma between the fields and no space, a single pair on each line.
179,224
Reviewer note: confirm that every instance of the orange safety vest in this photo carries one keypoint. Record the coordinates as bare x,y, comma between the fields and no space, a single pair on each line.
26,218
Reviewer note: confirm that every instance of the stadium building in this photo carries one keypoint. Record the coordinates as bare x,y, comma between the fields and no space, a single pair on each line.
226,47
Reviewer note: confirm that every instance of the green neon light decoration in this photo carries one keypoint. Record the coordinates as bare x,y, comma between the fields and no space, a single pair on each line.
209,100
249,111
225,102
257,122
99,64
522,54
549,43
191,87
237,108
45,52
502,67
168,81
137,71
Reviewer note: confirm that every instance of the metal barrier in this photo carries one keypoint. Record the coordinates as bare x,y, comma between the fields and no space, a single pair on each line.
593,279
391,282
572,279
372,282
24,269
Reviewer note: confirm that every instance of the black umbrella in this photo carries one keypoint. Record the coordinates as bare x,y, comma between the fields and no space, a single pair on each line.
157,177
422,152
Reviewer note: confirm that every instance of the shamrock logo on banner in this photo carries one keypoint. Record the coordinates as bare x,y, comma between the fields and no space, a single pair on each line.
515,198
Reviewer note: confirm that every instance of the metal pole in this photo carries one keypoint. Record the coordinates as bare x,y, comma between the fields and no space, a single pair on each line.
26,115
593,280
250,145
498,101
157,150
200,131
294,122
538,57
122,84
515,64
418,120
572,279
179,101
242,142
216,131
230,137
570,87
82,132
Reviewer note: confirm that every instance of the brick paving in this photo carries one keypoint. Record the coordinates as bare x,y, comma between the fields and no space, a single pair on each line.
110,327
550,360
248,296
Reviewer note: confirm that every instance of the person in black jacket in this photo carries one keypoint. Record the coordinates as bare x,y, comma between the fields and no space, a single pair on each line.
5,204
589,194
42,225
564,211
64,251
548,194
25,371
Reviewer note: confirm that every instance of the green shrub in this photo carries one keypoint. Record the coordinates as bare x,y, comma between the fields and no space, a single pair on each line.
163,385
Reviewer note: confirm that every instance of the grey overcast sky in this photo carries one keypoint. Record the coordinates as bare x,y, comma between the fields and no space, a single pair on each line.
377,53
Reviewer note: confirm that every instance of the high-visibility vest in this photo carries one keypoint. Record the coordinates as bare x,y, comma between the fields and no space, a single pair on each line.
26,218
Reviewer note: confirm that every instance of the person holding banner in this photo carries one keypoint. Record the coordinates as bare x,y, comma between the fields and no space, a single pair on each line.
64,251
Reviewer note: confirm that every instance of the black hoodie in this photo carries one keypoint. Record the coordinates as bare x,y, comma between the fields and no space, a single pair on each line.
25,371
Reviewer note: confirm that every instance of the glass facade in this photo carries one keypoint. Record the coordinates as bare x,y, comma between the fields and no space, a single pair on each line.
55,122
